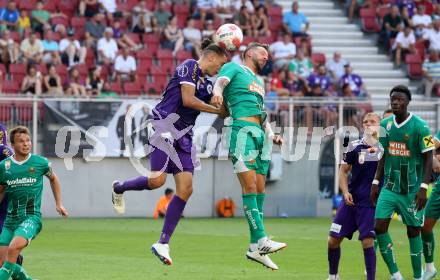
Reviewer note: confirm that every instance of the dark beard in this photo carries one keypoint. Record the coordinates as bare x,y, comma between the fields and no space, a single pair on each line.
257,66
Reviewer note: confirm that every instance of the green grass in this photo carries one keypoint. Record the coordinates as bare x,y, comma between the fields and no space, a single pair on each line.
113,249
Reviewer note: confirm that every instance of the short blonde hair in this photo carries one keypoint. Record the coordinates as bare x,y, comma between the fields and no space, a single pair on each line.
18,130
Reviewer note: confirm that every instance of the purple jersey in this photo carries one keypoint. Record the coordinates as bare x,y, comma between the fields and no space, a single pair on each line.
322,80
363,159
355,82
3,140
5,152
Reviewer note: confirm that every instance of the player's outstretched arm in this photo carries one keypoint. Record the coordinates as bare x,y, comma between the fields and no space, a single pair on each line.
190,100
421,196
344,170
219,87
374,194
56,190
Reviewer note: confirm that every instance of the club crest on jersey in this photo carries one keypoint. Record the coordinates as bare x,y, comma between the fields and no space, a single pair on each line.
182,71
361,158
7,164
31,170
406,137
389,125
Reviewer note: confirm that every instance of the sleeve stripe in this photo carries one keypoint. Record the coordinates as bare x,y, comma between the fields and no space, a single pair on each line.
428,149
188,83
224,77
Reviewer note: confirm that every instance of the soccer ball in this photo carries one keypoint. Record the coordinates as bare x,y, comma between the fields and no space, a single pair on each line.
228,36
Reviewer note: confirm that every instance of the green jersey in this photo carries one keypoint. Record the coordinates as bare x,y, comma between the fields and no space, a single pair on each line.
24,186
404,145
244,95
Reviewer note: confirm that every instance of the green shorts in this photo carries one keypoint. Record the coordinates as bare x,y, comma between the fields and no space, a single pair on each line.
248,147
432,209
28,229
403,204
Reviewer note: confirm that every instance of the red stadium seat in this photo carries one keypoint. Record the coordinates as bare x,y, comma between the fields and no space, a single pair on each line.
78,23
421,47
182,56
318,58
27,5
181,9
67,7
275,11
150,87
3,70
15,36
198,24
265,40
62,70
132,88
5,112
414,66
126,6
165,58
90,57
41,68
150,38
383,11
24,111
17,71
59,20
50,6
83,69
134,37
369,21
116,87
11,86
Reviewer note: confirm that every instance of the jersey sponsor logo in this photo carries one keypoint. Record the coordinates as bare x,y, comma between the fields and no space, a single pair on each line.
21,181
399,149
255,87
335,228
428,141
182,71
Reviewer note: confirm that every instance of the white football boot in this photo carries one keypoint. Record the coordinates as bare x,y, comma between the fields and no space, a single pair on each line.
162,251
262,259
333,277
267,246
118,200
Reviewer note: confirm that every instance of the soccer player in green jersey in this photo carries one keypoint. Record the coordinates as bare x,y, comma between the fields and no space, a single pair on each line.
406,169
21,178
432,214
250,142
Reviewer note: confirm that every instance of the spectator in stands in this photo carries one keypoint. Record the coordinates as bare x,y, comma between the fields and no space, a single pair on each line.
433,36
404,44
240,3
355,5
52,81
421,22
95,27
294,84
24,22
335,66
302,66
391,25
350,115
162,204
173,36
125,67
74,84
107,47
89,8
161,15
429,7
224,7
193,37
94,82
355,82
32,49
406,19
283,51
9,17
260,22
322,79
209,30
409,5
123,40
206,10
436,14
296,22
40,18
109,7
72,52
31,83
244,21
10,50
143,20
431,72
51,48
317,111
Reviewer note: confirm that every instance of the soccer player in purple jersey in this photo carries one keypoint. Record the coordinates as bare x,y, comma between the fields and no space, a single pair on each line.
187,94
357,211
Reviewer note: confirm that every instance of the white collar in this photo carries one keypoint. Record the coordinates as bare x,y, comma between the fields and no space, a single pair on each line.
248,69
21,162
404,122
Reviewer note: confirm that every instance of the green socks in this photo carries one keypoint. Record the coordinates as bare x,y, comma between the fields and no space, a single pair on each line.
260,204
6,270
415,247
428,246
252,215
386,250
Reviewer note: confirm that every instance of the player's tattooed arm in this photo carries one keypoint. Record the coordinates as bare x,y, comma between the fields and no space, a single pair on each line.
190,100
220,84
374,194
56,190
344,171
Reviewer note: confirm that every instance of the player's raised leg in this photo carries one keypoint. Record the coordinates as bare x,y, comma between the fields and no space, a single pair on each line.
173,215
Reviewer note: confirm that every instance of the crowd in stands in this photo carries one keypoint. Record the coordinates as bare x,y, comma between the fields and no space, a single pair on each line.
409,30
112,47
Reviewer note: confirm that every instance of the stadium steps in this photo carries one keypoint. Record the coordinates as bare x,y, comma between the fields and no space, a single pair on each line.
331,32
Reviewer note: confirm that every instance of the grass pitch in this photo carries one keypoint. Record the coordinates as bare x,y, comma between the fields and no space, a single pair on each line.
119,249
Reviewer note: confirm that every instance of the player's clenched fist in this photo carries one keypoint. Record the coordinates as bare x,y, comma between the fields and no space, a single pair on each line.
217,100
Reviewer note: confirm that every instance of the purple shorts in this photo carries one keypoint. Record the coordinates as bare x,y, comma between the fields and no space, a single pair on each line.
178,161
350,219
